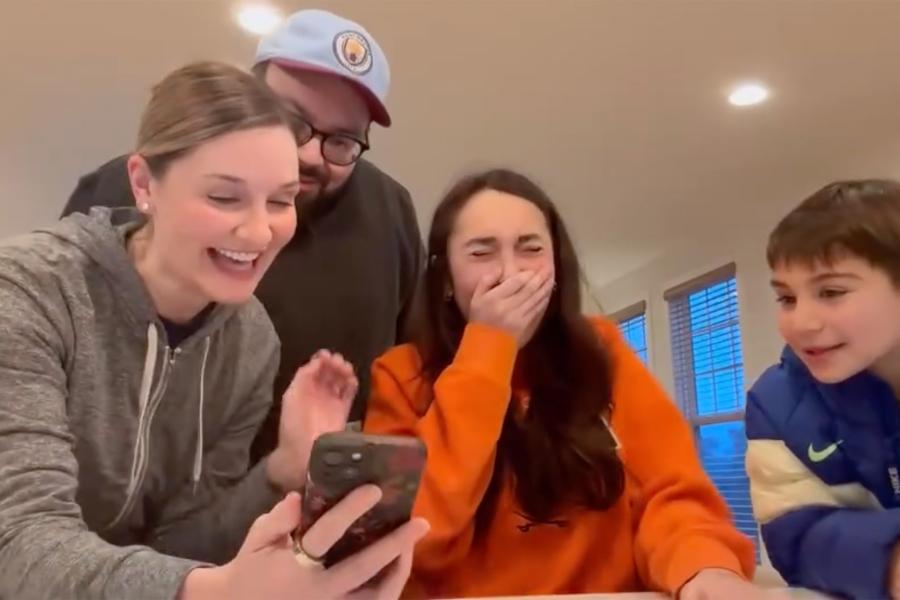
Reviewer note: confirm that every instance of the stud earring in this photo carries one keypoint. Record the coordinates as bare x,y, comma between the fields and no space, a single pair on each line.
144,207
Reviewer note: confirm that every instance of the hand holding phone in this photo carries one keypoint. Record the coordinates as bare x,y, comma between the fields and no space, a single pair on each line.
343,461
266,565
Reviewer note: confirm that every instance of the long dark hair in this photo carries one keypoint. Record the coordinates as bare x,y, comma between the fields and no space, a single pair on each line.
560,454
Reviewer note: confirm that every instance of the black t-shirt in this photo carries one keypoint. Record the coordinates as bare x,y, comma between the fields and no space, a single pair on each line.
345,282
178,332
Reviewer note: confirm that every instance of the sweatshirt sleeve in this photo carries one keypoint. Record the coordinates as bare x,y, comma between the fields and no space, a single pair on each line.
684,525
209,523
46,550
107,186
460,427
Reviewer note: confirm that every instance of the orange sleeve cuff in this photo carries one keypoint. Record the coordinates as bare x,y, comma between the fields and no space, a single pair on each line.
696,554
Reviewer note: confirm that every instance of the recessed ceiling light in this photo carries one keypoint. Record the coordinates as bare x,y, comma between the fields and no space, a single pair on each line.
259,19
748,94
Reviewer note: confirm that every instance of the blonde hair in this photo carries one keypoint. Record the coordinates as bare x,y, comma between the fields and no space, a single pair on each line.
199,102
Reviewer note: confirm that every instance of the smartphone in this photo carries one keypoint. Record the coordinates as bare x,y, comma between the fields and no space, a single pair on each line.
341,462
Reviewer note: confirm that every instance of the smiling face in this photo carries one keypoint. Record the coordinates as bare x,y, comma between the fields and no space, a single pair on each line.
219,215
840,318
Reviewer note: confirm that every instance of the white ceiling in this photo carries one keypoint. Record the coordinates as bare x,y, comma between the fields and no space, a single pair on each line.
616,106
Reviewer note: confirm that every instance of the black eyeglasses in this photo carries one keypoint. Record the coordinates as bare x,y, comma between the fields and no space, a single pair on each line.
337,148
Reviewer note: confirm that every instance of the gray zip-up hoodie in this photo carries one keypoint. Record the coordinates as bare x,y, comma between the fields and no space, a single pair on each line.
117,452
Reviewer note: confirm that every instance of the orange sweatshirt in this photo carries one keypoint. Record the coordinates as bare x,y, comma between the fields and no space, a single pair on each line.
669,523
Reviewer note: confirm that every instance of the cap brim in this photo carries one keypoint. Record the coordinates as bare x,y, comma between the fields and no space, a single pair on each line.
377,110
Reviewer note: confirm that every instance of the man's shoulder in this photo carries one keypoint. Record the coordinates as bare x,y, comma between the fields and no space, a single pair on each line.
371,173
380,188
388,200
107,185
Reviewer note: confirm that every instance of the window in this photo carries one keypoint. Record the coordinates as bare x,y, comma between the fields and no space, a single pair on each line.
635,332
633,325
709,382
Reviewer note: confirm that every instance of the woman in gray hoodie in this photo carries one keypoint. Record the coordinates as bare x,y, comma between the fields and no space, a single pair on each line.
136,367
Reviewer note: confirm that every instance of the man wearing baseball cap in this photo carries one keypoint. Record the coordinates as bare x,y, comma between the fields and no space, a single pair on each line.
346,280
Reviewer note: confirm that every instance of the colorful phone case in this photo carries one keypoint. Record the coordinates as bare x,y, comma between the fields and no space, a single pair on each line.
343,461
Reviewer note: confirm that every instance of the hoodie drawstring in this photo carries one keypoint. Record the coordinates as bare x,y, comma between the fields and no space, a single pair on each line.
147,411
143,403
144,397
198,451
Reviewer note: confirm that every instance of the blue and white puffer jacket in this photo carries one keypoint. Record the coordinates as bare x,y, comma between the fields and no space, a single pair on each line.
823,466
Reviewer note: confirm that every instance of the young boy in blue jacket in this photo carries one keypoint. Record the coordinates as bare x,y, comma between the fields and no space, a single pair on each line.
824,424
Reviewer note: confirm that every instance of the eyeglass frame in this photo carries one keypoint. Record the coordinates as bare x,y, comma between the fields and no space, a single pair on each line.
323,136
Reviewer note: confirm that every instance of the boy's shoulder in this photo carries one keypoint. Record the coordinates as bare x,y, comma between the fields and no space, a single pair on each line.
799,429
787,398
776,398
789,408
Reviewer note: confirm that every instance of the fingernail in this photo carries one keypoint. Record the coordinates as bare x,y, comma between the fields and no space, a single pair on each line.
374,491
423,525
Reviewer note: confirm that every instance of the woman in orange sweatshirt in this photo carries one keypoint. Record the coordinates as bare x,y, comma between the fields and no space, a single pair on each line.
556,464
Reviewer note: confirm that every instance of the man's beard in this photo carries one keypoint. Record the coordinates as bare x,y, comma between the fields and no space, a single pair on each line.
309,201
322,178
313,201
